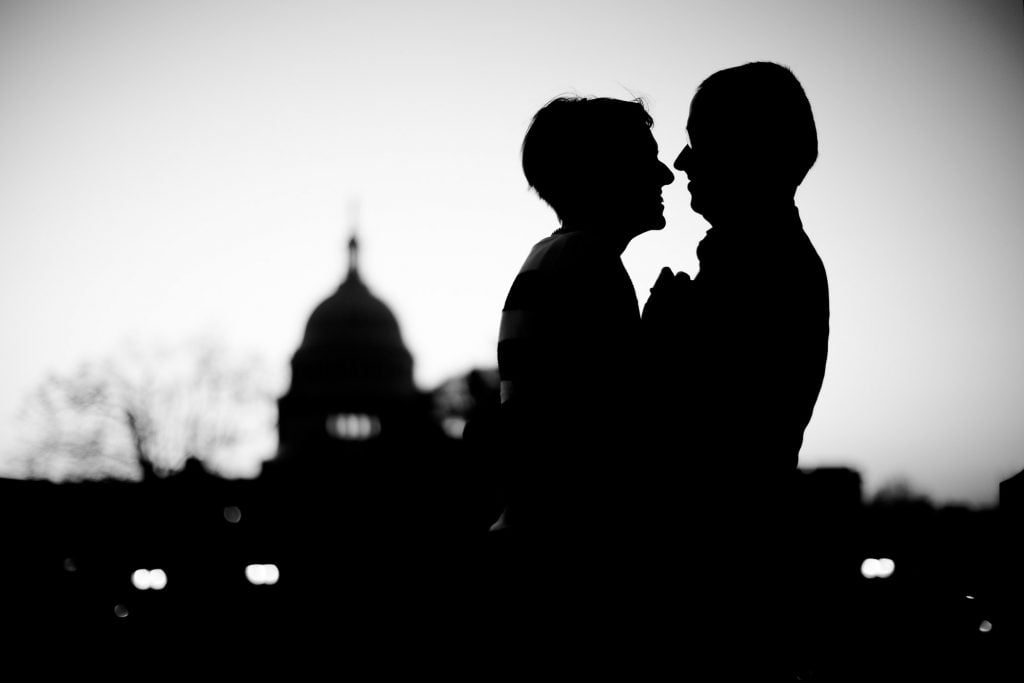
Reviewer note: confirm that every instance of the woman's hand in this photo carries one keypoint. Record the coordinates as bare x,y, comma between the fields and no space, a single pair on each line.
664,308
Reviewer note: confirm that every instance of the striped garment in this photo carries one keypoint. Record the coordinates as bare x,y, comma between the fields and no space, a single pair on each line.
568,356
570,315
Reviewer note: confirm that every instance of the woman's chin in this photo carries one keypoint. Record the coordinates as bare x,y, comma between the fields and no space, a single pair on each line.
656,223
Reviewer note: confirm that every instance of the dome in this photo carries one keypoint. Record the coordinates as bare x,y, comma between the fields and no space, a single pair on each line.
352,314
352,354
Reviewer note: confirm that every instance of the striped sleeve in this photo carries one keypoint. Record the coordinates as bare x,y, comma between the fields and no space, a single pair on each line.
524,318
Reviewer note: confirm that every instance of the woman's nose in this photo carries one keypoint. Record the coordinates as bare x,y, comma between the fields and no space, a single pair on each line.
682,161
666,176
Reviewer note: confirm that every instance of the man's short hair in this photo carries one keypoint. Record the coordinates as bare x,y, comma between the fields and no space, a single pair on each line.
762,106
572,138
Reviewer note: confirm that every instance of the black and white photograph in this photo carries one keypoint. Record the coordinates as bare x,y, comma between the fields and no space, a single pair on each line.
563,339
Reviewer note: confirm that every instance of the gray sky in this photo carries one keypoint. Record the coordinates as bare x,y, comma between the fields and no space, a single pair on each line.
169,169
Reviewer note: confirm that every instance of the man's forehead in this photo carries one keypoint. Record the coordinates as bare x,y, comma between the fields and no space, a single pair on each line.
712,128
695,119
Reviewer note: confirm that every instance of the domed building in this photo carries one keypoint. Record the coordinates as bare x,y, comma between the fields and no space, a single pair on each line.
352,387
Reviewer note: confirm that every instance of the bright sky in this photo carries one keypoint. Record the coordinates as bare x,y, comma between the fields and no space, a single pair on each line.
176,168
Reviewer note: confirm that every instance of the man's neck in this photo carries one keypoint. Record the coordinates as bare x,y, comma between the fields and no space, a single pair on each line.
756,215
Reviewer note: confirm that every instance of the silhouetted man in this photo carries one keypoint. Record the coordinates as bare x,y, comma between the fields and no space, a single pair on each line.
569,348
746,341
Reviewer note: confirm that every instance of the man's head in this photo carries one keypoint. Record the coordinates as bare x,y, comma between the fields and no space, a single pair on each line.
752,140
595,162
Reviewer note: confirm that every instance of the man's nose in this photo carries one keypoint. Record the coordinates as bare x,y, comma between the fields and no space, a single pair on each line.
682,161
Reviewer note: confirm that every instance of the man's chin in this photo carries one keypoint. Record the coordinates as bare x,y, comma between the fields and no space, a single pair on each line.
698,207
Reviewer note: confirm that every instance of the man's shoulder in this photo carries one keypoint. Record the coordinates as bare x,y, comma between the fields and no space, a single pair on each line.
763,252
803,258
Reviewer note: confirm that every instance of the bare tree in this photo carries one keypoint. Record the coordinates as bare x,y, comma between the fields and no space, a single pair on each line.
145,411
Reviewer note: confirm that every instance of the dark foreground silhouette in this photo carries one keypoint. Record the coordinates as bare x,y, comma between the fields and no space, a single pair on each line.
741,352
581,508
430,596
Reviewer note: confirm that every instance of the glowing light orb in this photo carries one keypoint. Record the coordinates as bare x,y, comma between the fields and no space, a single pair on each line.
877,568
157,579
255,574
353,427
985,626
885,568
262,574
140,579
120,611
149,579
233,514
869,568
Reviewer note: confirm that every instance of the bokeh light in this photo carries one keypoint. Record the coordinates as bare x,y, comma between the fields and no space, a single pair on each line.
149,579
140,579
877,568
886,567
262,574
157,579
233,514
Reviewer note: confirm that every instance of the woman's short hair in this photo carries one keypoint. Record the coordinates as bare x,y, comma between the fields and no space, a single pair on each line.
570,139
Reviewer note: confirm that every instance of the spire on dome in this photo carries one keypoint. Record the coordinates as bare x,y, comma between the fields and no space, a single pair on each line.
353,242
353,256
